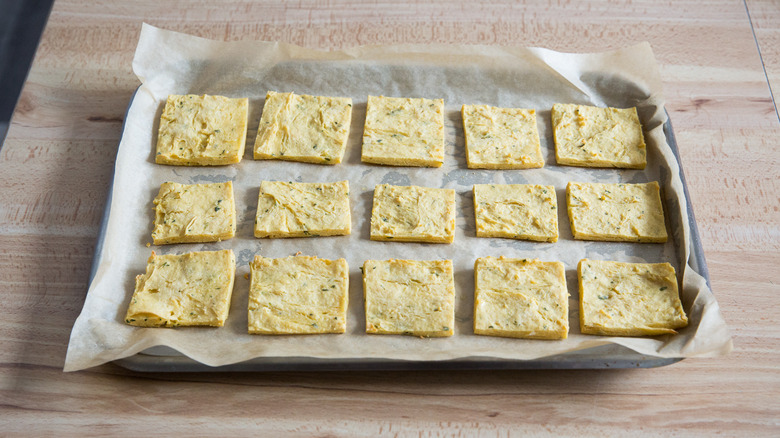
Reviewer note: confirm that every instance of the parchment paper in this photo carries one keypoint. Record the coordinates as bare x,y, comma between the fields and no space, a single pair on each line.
172,63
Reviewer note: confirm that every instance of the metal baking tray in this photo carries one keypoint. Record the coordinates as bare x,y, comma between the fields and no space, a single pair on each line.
165,359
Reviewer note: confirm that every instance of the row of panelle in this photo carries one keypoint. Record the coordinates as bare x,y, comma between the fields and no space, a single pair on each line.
398,131
517,298
608,212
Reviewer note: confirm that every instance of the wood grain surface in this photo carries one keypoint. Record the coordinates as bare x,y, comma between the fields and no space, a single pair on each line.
720,61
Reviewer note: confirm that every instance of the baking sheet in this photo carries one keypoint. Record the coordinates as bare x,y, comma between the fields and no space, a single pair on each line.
172,63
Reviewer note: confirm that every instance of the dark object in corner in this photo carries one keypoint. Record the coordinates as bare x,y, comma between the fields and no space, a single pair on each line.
21,26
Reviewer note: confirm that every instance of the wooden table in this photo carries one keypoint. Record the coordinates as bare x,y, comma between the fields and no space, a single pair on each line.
720,62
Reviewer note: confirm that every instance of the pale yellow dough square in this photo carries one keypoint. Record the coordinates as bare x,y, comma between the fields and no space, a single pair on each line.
413,214
288,209
298,295
516,211
202,130
194,213
629,299
589,136
501,138
298,127
191,289
404,131
616,212
409,297
520,298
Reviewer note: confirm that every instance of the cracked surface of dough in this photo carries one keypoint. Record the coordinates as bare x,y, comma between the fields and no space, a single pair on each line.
187,213
299,127
192,289
288,209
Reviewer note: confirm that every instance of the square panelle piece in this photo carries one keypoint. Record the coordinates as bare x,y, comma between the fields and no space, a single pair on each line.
501,138
520,298
202,130
516,211
298,127
404,131
589,136
298,295
413,214
191,289
616,212
288,209
409,297
187,213
629,299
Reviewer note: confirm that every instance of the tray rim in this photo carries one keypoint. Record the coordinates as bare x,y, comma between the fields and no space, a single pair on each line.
589,358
